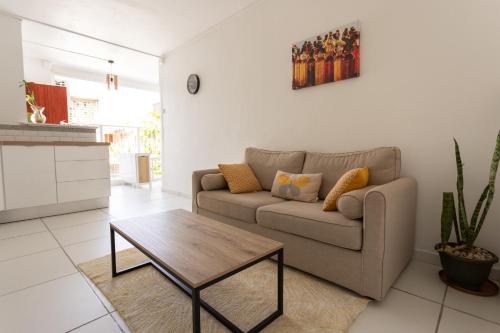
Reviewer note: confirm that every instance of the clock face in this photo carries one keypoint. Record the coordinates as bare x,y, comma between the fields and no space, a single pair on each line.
193,83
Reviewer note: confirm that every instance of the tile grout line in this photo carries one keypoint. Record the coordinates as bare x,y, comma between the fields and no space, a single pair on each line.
472,315
80,272
29,254
85,241
92,239
49,231
70,213
37,284
19,236
116,322
106,219
73,329
441,310
422,297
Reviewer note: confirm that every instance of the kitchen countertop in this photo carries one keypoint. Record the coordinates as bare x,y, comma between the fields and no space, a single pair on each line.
52,143
48,127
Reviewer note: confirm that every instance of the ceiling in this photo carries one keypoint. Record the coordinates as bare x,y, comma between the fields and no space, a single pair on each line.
52,45
151,26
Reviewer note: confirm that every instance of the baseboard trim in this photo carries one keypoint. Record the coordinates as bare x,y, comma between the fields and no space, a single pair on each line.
178,193
432,257
27,213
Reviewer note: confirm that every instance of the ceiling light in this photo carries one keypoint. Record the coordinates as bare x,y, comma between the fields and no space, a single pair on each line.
111,79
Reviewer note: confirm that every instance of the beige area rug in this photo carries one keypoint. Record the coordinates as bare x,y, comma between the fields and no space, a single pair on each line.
148,302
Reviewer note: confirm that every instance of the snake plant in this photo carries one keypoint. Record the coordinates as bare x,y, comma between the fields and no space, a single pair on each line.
466,232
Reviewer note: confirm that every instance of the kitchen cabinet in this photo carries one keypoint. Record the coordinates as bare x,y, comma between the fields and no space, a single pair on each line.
83,190
69,171
82,172
77,153
29,176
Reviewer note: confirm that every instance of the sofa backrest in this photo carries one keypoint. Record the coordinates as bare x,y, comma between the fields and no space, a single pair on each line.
384,164
265,163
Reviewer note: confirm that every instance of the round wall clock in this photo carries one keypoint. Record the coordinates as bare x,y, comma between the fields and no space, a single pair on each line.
193,83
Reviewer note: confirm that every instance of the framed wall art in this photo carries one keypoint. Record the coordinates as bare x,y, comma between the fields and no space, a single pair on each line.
328,57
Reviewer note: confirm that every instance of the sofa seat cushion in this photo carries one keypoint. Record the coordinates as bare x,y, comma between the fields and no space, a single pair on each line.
310,221
241,206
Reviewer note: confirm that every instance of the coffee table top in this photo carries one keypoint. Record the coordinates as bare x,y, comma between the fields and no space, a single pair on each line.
194,247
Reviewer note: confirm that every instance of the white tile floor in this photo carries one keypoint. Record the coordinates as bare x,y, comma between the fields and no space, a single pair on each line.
41,289
419,302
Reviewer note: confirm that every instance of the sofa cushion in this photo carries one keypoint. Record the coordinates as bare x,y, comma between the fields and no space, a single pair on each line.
265,164
310,221
384,165
240,206
213,181
351,204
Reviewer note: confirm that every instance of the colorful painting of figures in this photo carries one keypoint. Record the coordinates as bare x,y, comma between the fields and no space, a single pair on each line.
329,57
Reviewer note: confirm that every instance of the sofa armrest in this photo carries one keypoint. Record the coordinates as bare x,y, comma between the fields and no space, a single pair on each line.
196,185
388,234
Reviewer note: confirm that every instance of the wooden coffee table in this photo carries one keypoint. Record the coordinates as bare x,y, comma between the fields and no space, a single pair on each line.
195,252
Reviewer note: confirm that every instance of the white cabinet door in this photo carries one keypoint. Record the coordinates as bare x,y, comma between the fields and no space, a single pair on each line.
68,171
29,175
83,190
78,153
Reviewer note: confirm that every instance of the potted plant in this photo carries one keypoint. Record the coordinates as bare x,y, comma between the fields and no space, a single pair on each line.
464,264
37,116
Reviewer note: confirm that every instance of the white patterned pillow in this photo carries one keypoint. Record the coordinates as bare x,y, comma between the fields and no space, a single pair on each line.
300,187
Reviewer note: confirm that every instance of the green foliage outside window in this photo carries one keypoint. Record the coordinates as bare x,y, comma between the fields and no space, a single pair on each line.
150,139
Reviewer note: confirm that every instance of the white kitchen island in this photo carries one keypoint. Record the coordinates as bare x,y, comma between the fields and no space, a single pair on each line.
42,178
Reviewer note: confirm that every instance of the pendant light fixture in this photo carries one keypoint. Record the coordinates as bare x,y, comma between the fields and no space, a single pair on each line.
111,79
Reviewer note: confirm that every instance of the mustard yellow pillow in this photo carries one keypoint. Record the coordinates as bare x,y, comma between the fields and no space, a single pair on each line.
351,180
240,178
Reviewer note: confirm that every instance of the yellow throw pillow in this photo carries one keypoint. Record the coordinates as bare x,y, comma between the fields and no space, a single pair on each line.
240,178
351,180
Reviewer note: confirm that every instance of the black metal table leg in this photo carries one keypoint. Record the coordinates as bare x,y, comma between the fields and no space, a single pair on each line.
113,252
280,282
195,295
114,271
279,309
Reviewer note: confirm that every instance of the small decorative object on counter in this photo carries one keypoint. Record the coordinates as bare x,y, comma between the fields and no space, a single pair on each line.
467,267
37,116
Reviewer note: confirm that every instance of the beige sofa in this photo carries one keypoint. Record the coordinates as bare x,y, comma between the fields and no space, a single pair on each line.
365,255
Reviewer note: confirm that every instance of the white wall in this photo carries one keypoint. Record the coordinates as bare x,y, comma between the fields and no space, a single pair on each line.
12,102
430,72
38,70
